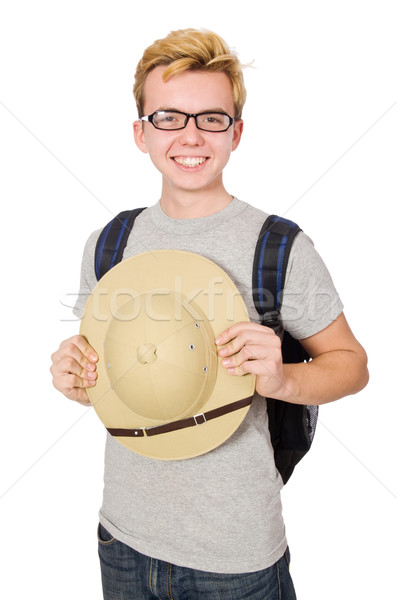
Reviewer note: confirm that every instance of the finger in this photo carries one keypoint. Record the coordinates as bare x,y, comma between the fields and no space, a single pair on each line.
66,383
265,369
77,349
251,337
70,365
85,348
247,353
233,331
79,344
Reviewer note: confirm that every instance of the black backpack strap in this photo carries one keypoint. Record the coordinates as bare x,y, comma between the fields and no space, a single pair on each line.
112,241
270,266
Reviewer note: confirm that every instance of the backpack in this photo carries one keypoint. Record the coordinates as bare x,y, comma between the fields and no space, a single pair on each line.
291,426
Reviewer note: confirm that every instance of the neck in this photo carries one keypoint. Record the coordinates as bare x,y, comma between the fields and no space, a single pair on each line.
191,205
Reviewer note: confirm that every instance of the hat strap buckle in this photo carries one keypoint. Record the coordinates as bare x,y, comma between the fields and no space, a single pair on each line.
200,416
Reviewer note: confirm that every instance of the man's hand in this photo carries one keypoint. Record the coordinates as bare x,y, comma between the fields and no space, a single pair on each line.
256,349
338,367
73,369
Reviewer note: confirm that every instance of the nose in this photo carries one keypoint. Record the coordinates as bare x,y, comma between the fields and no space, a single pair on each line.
191,134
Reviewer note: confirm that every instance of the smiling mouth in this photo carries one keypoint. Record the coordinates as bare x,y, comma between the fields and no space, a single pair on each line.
190,161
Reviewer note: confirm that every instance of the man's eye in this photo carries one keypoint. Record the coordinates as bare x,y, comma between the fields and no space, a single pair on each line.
165,118
212,119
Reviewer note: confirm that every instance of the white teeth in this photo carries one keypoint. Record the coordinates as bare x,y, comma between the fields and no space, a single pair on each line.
189,161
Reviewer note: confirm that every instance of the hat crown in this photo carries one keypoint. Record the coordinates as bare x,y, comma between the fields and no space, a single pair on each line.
160,356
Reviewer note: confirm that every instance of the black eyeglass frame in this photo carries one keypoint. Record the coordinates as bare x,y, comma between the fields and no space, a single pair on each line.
150,119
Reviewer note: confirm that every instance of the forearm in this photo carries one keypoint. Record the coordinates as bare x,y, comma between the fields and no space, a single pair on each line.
326,378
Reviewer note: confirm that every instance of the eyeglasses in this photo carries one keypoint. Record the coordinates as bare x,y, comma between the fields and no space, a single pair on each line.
171,120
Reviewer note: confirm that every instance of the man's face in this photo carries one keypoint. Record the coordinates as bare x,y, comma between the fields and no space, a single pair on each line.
189,159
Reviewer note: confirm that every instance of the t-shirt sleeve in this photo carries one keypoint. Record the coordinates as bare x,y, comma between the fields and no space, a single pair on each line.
310,301
87,276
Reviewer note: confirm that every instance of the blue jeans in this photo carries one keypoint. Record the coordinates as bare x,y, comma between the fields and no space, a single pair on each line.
129,575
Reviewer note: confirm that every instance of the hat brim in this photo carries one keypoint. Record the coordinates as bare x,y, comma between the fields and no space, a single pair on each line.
209,288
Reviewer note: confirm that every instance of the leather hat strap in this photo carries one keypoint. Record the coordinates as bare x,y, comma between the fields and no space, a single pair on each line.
199,419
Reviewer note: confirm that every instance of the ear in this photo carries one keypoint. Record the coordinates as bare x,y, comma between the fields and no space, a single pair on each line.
238,127
139,136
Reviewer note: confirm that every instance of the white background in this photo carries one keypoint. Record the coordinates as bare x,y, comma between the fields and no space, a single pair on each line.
319,147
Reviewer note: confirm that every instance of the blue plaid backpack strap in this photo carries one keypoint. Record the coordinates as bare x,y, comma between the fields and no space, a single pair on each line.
270,265
112,241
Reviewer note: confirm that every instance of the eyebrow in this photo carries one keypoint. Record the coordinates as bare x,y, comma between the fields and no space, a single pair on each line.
207,110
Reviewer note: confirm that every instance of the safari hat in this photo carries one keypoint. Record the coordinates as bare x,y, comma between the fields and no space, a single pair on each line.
161,390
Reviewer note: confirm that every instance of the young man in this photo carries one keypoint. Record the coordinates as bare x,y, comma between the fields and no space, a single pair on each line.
211,526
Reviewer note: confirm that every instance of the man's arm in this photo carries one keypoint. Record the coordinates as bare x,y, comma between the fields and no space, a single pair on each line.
338,368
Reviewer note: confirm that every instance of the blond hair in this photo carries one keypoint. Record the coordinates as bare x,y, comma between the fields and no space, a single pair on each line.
191,50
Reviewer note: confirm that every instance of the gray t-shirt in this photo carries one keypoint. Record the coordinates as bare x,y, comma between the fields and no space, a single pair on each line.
221,511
